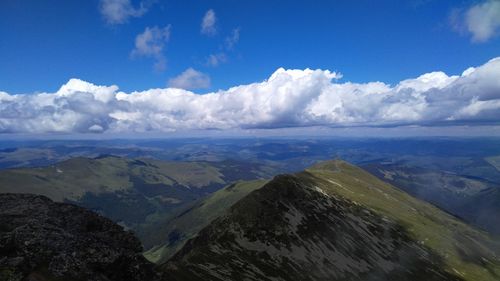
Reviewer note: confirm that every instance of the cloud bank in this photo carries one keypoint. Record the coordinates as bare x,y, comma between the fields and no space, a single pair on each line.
288,98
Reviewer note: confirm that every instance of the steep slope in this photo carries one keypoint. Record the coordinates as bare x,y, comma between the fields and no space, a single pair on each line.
168,236
335,222
45,241
474,199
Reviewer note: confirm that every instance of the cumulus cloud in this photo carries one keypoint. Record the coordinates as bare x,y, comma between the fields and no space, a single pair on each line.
190,79
151,43
481,21
208,23
287,99
119,11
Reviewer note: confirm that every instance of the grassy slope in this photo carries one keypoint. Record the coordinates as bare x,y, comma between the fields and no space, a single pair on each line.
494,161
474,199
189,174
468,252
67,180
189,222
437,181
71,179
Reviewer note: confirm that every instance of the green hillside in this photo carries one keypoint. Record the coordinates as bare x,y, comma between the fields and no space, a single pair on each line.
474,199
73,178
176,231
133,192
494,161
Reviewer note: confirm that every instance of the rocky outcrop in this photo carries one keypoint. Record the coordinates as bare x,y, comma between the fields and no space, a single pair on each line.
41,240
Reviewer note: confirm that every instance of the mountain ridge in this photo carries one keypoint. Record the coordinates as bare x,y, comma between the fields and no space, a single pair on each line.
257,237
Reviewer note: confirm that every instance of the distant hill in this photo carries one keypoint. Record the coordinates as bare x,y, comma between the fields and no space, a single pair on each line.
133,192
472,198
334,221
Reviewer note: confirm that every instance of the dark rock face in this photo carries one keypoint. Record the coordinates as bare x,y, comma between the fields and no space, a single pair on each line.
41,240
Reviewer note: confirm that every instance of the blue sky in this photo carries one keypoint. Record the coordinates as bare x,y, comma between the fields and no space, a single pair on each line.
162,67
47,42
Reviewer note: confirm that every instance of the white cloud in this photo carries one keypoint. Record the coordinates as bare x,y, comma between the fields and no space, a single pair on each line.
190,79
287,99
119,11
215,60
482,20
151,43
221,57
208,23
232,39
